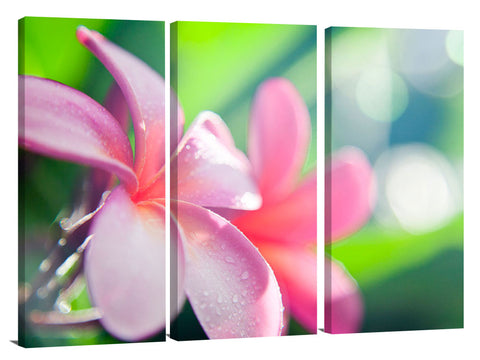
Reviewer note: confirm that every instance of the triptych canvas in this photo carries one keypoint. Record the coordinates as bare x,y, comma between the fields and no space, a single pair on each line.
189,208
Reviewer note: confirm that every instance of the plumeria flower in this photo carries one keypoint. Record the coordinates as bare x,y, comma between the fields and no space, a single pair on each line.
284,228
233,291
349,198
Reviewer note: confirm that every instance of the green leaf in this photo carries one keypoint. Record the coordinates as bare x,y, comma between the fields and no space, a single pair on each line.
374,254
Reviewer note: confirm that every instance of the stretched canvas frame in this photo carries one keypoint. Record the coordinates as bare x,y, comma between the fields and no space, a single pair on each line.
76,285
267,73
393,184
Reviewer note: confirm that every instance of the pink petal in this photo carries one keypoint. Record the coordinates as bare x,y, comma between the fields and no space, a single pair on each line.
230,286
279,134
99,180
296,270
343,301
125,267
208,170
349,193
117,106
115,103
291,220
61,122
144,91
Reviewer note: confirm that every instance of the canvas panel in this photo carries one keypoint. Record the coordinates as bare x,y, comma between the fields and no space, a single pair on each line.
84,274
394,176
247,96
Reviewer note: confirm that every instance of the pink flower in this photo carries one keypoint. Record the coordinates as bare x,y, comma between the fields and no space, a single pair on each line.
231,288
349,195
284,228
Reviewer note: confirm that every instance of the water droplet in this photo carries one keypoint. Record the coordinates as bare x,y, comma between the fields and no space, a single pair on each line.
218,312
235,298
229,259
219,298
64,223
64,307
205,293
244,275
203,306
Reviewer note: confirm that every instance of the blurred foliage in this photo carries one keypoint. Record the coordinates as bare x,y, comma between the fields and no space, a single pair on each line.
374,253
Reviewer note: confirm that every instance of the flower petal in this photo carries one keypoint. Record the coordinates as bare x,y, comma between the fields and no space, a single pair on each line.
208,170
231,288
117,106
296,270
292,220
279,133
349,193
61,122
125,267
144,91
343,301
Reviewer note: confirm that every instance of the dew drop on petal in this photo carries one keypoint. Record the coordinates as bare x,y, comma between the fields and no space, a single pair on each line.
64,307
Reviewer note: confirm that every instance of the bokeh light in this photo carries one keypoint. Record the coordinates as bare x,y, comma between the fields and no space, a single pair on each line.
418,188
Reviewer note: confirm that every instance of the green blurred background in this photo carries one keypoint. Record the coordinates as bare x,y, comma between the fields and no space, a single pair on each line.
49,48
218,67
398,96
